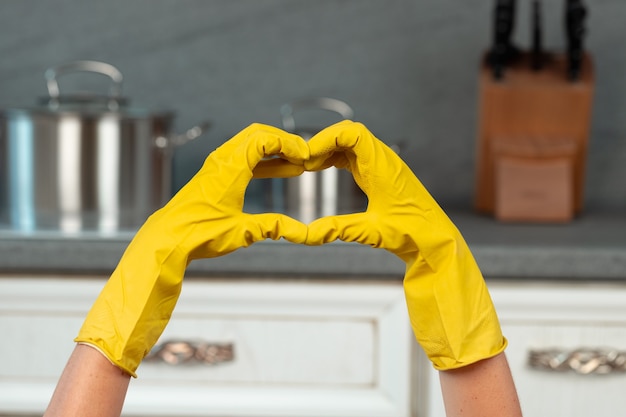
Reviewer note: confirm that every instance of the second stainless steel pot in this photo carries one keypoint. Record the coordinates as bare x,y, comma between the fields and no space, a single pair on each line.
85,162
316,194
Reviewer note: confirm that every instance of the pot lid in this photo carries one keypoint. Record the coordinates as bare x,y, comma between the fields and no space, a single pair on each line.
88,103
87,110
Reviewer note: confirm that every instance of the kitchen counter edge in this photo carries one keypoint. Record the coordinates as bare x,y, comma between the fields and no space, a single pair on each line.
97,255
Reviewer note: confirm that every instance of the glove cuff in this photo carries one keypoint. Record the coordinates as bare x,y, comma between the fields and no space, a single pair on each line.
451,311
136,303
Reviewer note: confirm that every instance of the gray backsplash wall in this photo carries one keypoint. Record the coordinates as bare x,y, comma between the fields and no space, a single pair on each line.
408,67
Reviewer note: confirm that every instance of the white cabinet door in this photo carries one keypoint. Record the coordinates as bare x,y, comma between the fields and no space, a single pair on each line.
39,319
571,320
287,349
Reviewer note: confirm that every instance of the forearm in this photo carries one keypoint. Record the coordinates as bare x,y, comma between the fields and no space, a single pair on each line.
483,389
90,386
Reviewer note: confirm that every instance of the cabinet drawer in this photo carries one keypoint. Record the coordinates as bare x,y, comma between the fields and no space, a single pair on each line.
283,348
255,349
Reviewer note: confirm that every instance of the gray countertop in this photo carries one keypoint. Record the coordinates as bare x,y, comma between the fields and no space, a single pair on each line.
592,247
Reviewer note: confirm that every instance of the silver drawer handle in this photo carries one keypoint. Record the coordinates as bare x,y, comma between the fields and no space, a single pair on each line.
581,361
180,352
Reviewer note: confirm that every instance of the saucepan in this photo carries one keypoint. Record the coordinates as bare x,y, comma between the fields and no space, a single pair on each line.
85,161
314,194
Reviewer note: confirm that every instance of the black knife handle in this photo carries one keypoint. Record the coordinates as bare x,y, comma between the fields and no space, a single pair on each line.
502,50
575,15
537,48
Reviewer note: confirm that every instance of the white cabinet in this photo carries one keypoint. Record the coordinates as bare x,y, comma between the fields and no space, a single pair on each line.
573,320
311,349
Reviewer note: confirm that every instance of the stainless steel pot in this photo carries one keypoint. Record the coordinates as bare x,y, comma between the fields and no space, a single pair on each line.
84,162
316,194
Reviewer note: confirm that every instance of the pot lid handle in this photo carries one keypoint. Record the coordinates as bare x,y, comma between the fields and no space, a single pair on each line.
322,103
103,68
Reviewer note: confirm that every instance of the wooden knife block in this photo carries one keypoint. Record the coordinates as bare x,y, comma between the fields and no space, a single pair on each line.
532,141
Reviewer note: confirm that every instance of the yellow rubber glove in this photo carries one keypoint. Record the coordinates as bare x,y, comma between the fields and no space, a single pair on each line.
203,220
451,311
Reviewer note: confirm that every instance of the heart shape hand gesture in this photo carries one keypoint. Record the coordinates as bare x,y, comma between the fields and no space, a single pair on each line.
450,309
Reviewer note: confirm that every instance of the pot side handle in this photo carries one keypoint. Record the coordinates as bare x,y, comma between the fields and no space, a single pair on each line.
164,142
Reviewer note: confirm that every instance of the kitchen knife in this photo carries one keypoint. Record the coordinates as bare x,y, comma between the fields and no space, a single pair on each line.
575,14
502,51
537,49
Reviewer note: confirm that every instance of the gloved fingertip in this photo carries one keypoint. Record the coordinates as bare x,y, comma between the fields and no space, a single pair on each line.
344,134
321,231
276,226
277,168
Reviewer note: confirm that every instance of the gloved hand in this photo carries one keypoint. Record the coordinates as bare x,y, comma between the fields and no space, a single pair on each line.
451,312
203,220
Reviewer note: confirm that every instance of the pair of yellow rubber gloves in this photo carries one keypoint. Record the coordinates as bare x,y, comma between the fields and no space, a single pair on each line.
450,309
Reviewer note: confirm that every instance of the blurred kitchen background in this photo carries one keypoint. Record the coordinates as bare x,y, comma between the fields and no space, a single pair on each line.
409,69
